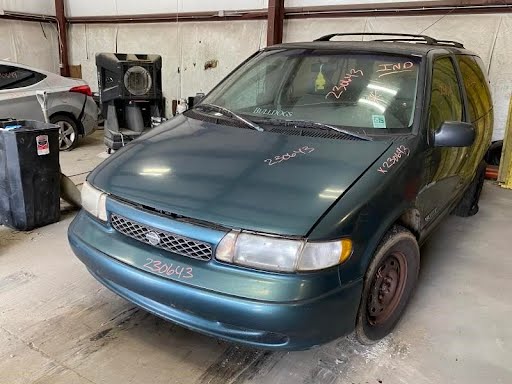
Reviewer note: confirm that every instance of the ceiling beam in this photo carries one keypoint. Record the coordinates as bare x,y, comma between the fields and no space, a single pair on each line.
416,8
22,16
171,17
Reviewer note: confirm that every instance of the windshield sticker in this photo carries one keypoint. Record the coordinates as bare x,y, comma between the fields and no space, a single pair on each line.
401,151
379,121
392,68
320,80
272,112
337,90
278,159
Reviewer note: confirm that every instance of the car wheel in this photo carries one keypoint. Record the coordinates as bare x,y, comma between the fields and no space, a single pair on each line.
68,136
493,155
468,205
389,282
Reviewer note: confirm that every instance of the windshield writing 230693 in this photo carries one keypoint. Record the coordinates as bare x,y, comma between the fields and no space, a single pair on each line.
287,156
337,90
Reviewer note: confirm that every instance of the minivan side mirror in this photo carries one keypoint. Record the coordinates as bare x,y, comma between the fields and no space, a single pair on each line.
454,134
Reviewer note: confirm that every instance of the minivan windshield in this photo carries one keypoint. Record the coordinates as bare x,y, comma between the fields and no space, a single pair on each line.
352,90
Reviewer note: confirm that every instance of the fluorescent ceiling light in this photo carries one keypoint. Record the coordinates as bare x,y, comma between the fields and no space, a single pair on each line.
326,196
329,190
375,87
380,107
154,171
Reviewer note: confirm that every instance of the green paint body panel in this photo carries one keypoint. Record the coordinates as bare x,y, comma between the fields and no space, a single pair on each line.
219,175
200,179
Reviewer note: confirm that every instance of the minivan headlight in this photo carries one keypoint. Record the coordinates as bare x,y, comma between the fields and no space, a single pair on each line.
94,201
280,254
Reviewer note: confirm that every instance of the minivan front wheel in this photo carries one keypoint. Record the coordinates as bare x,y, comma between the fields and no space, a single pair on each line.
68,134
389,282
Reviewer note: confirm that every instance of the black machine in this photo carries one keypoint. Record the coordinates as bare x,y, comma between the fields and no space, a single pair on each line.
29,174
130,91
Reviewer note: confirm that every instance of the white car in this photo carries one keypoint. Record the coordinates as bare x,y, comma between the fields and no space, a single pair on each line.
70,104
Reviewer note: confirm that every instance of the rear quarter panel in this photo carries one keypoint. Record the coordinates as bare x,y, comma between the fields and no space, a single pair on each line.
90,116
62,101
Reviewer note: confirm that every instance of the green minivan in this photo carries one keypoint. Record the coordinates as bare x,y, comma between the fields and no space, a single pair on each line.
286,209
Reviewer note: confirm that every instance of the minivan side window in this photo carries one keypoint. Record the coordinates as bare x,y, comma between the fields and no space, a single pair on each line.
445,101
475,83
13,77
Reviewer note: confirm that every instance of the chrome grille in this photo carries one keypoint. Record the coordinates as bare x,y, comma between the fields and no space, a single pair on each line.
167,241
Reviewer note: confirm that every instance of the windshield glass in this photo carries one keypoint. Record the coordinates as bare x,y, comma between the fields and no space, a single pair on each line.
343,89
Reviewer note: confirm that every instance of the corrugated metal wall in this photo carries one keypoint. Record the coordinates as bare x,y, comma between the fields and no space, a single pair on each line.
184,47
30,43
77,8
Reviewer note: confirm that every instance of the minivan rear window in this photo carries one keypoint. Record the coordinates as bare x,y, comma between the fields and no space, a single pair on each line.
352,90
475,83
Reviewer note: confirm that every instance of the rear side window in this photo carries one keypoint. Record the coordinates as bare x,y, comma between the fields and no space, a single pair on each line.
13,77
475,83
445,101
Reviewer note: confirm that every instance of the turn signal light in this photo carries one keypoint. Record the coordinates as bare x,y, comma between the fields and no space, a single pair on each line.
346,250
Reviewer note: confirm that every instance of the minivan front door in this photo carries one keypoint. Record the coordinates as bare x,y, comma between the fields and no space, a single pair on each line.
442,180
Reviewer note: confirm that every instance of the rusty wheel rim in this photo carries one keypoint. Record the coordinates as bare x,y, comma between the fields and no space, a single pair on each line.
387,288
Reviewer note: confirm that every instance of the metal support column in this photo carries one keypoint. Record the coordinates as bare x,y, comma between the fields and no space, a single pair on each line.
63,37
505,172
275,22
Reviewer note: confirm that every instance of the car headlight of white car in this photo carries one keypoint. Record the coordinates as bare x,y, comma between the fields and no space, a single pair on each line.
281,254
94,201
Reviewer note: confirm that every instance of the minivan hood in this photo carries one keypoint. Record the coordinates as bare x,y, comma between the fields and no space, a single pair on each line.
236,177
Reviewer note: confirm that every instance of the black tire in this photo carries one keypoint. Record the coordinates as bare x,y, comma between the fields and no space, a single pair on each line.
388,285
468,205
493,155
68,137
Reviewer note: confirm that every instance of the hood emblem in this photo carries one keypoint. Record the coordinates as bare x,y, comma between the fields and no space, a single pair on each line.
153,238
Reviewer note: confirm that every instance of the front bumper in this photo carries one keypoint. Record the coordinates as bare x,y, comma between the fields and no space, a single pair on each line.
283,318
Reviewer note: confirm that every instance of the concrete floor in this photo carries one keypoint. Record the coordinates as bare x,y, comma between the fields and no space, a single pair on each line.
58,325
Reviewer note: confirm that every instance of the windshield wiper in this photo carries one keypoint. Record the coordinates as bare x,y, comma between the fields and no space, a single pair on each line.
228,113
341,130
307,124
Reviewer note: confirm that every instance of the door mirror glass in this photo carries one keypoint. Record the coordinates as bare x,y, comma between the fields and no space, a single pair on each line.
454,134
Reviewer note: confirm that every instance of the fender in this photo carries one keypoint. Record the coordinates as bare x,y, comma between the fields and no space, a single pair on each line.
371,207
393,217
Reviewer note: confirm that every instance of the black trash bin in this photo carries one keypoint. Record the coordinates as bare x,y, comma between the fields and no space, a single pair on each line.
29,174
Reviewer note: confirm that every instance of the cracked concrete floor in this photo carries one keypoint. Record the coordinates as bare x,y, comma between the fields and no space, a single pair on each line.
58,325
